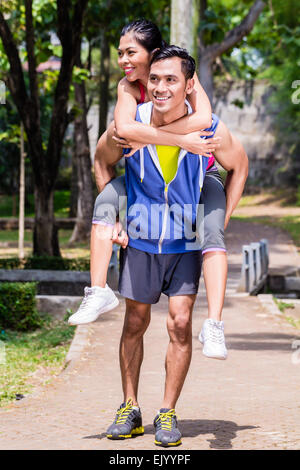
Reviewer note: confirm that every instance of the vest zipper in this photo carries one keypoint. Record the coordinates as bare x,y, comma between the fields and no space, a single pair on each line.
165,219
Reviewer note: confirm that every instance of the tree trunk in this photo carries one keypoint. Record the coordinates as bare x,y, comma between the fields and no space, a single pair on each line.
85,201
74,184
45,237
22,198
183,24
104,83
206,76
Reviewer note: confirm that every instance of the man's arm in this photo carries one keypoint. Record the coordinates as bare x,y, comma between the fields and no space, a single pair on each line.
232,157
106,156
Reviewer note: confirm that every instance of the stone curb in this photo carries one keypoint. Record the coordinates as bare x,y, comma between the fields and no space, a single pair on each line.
268,303
79,342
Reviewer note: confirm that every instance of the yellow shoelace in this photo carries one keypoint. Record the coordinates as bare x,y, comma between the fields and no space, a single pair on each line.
124,412
166,420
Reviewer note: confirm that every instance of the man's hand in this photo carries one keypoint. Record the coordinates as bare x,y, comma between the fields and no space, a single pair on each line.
195,144
119,236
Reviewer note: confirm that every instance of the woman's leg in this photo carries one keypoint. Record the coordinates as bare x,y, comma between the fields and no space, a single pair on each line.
107,206
214,265
100,298
215,276
214,250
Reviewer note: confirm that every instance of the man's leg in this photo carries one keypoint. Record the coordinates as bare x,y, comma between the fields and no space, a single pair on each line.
179,353
137,319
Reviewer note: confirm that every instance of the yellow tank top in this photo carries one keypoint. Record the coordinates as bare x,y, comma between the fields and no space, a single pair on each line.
168,159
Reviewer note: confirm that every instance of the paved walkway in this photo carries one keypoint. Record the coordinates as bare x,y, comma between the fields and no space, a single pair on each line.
250,401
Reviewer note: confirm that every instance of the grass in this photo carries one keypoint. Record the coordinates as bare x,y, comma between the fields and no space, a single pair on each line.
11,236
32,358
283,306
61,205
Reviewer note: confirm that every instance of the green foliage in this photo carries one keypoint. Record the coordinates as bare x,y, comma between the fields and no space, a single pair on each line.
18,306
9,148
270,51
47,263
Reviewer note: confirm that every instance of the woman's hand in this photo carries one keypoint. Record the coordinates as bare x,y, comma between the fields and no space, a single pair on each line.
194,143
119,236
120,142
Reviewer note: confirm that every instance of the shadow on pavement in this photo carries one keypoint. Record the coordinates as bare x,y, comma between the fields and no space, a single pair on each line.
224,431
260,341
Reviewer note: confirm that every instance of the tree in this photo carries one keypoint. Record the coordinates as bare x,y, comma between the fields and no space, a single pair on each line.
45,159
208,53
85,200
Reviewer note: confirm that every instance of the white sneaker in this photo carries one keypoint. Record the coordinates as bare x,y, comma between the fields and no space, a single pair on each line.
96,300
213,340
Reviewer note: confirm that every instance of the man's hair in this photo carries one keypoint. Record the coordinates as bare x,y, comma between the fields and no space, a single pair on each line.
188,65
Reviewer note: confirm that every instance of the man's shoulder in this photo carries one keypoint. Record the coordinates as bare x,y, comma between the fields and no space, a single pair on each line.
143,112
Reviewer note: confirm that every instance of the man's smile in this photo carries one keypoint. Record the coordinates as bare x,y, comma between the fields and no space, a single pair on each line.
161,98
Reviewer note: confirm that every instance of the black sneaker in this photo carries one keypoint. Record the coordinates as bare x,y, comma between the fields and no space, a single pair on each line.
166,431
127,423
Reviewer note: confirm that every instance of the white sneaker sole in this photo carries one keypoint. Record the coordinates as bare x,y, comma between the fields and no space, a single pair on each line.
108,308
211,356
214,356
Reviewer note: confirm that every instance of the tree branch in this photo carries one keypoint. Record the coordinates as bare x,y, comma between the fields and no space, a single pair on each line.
31,61
234,36
69,33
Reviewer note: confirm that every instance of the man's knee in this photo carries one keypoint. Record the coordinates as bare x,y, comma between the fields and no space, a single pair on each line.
137,319
180,323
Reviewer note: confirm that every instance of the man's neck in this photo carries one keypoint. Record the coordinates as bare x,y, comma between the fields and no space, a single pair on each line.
162,119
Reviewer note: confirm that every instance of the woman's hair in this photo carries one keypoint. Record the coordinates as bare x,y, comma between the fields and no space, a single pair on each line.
146,34
188,65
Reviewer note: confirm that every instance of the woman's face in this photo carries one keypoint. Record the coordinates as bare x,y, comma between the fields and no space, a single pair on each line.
133,58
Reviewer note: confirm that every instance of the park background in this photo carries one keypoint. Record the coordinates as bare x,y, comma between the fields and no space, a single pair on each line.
59,75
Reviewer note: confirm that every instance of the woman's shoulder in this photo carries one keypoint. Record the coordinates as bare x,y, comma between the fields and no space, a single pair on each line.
132,88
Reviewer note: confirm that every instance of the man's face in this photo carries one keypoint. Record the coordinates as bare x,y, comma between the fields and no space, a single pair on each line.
167,85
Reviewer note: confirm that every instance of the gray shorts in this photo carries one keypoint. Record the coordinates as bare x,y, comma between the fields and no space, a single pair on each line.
214,199
144,276
112,202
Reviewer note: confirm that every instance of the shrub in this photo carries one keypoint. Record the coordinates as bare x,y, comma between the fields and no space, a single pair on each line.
10,263
18,306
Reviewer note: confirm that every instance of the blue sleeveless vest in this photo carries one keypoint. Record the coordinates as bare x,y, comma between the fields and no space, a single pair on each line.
163,218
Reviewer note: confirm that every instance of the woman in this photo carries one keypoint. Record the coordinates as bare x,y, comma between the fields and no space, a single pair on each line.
138,41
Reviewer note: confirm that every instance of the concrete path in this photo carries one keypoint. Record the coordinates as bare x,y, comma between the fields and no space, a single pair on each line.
249,401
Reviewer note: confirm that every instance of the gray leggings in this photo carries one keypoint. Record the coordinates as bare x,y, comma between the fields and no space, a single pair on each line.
112,202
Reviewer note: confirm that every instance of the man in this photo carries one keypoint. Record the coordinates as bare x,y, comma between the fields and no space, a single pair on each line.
161,256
